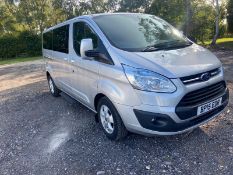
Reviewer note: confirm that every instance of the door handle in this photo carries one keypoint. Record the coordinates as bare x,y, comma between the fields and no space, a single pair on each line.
72,61
47,57
65,59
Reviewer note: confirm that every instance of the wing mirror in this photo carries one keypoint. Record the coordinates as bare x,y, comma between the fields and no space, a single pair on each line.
86,44
87,52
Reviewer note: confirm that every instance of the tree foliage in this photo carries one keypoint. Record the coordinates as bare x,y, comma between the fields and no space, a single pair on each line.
196,18
134,6
230,16
22,44
8,23
170,10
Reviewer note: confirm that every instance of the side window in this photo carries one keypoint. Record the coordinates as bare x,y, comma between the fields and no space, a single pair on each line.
61,39
82,31
89,33
48,40
78,35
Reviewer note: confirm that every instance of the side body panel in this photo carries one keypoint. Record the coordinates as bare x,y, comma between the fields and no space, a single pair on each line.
60,62
84,74
75,73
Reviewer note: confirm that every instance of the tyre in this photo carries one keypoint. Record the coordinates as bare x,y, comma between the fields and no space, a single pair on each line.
110,120
53,88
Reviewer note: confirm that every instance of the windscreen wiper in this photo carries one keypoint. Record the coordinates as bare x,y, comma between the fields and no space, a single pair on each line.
166,45
178,46
151,49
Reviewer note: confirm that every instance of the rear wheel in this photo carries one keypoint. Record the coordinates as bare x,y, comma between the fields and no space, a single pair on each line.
53,88
110,120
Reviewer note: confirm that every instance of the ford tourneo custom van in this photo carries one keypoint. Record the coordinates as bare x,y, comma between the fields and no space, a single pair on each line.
136,72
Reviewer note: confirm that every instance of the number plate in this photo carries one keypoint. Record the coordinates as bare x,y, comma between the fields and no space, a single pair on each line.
209,106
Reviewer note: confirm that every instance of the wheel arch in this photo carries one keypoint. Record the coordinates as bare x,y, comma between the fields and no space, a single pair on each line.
97,98
47,74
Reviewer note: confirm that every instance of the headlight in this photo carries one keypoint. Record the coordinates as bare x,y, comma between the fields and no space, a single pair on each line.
146,80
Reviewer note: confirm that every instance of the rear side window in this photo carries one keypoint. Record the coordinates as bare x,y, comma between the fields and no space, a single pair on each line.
48,40
61,39
83,31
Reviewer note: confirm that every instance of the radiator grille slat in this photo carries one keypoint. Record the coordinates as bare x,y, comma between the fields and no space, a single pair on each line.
203,95
188,105
200,97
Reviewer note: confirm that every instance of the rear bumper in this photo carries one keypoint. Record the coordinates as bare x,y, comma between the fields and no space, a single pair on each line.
160,121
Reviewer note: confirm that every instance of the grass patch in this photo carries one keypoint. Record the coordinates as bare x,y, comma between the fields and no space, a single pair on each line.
226,43
18,60
220,41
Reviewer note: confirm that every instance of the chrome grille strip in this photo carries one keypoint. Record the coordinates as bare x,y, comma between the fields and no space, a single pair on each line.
197,77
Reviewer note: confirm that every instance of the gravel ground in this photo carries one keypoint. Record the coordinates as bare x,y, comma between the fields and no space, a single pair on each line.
40,134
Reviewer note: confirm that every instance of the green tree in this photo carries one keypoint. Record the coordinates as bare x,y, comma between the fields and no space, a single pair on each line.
230,16
36,15
74,8
91,7
171,10
203,20
217,22
113,5
134,5
8,22
188,17
197,18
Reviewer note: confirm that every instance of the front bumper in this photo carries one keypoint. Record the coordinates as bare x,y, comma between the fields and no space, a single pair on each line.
154,120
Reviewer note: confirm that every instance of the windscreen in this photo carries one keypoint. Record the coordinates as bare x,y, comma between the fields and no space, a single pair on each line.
137,32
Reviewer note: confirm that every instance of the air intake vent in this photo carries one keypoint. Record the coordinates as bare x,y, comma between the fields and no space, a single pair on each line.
203,95
187,107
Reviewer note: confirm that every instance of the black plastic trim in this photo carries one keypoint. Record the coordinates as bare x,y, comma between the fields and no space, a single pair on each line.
164,123
186,112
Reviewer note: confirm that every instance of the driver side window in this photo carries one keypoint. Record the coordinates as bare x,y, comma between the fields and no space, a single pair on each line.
81,30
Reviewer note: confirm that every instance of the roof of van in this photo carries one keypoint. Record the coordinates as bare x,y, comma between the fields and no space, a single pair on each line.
119,13
86,17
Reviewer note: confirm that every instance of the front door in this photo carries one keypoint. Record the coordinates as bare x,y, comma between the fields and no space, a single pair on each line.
84,73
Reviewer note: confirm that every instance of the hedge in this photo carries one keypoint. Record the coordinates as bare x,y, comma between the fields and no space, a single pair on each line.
24,44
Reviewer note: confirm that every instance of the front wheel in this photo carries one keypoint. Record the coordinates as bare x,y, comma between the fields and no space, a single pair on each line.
110,120
53,88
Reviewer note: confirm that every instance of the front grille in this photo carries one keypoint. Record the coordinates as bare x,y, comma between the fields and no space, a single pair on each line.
188,105
197,77
203,95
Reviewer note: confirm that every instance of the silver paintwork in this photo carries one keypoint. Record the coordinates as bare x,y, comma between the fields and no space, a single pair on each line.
84,79
86,44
